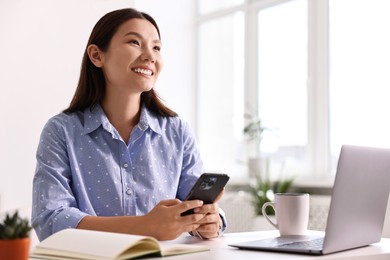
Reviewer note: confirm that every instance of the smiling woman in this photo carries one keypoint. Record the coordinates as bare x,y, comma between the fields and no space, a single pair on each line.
131,65
117,159
44,43
130,50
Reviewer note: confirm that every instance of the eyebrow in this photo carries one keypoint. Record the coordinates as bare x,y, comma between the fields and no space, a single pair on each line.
140,36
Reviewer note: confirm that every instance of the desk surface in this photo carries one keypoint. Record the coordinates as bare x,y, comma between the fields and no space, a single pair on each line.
220,250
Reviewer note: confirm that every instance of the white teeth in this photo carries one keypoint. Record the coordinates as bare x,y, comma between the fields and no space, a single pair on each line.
143,71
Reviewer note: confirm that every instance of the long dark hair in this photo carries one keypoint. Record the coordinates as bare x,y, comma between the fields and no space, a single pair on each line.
91,87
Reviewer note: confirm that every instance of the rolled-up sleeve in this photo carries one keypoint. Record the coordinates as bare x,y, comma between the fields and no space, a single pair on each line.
54,205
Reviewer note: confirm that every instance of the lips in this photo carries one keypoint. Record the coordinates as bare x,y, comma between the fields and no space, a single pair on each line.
143,71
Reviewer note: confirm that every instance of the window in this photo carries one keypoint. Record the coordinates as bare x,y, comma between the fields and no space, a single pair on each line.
208,6
317,79
281,83
359,73
221,93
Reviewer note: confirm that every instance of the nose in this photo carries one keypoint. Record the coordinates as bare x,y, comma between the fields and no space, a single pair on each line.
148,55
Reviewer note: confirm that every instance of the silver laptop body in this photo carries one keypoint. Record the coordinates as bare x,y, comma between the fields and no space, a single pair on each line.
357,210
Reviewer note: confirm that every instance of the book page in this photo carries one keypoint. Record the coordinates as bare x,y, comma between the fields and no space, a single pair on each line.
97,245
168,249
87,244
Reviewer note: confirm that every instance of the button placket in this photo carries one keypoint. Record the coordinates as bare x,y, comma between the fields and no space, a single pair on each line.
127,178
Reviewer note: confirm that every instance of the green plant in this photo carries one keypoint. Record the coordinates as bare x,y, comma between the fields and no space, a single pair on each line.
263,190
254,130
14,227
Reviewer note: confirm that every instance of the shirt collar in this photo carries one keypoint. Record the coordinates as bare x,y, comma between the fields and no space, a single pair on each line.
149,119
95,116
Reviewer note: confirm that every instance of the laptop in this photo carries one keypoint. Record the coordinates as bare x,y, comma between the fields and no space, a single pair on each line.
357,209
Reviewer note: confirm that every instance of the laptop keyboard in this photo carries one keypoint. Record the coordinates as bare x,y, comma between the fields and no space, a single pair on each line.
315,244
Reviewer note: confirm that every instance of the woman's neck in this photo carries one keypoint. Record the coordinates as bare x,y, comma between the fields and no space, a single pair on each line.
123,112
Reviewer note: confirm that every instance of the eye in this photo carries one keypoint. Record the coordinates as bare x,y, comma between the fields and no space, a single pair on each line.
157,48
135,42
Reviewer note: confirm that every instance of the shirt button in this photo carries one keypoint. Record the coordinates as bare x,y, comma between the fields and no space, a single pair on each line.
129,192
125,165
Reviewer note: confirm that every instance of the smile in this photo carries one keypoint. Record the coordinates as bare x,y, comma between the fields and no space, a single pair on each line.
143,71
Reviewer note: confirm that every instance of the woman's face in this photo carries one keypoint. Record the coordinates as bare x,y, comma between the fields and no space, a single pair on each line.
133,61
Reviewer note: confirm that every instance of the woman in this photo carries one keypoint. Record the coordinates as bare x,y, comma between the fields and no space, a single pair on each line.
116,158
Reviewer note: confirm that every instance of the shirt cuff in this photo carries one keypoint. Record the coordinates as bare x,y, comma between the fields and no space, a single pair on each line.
224,221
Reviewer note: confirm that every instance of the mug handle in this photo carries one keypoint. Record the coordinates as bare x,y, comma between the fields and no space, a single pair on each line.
263,210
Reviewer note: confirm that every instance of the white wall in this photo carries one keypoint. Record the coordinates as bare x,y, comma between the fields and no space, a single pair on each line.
41,46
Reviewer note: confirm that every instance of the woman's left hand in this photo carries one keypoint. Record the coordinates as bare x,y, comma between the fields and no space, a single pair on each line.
211,223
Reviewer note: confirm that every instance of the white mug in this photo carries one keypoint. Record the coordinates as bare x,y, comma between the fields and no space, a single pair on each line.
291,211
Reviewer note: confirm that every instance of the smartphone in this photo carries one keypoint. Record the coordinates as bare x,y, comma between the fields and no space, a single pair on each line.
207,188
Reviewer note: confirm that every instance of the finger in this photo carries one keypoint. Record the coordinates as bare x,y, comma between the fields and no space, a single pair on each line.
189,204
191,227
208,209
209,219
208,228
211,208
192,219
171,202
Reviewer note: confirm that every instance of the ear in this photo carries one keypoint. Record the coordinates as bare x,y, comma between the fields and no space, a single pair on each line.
95,55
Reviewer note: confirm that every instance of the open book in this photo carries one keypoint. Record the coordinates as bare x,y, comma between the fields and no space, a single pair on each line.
88,244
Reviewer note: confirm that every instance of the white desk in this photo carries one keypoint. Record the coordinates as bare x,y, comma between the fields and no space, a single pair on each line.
219,249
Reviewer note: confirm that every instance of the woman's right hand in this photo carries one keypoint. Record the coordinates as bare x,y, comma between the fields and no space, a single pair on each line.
164,221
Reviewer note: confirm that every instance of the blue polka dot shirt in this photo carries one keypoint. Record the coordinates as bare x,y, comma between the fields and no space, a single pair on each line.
85,168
